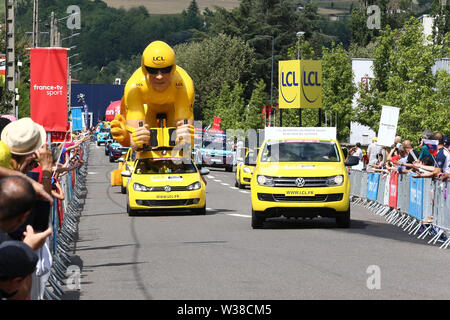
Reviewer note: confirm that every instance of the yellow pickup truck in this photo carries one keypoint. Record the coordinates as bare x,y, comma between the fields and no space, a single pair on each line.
301,177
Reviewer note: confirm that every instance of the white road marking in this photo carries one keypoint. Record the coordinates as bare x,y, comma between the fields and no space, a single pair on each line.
209,209
239,215
211,177
216,180
234,188
92,172
225,184
246,192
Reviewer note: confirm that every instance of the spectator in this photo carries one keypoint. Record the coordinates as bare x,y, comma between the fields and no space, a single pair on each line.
401,168
425,156
357,152
17,264
412,154
372,151
3,123
17,198
5,155
442,166
398,141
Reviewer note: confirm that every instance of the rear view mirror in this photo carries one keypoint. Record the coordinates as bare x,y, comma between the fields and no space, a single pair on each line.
204,171
121,160
352,161
126,174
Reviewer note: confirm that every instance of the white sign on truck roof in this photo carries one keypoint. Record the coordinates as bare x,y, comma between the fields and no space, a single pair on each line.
300,132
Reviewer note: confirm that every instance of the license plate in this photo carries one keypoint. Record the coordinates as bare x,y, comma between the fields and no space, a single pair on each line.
216,160
299,193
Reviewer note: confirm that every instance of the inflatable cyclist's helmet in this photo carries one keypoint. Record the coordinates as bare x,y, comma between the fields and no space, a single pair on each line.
158,55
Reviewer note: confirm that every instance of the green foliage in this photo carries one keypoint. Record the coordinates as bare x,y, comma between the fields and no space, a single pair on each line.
257,101
403,68
212,64
338,88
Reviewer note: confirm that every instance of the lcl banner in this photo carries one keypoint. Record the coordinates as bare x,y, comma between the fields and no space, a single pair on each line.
300,83
48,88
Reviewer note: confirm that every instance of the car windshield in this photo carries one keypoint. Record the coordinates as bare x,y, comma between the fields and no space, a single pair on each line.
104,130
152,166
300,151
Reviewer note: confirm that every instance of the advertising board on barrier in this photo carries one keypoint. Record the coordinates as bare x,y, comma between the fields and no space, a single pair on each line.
416,197
77,119
372,186
393,190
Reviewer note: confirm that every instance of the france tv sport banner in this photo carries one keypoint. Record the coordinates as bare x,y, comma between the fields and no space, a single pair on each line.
48,88
300,83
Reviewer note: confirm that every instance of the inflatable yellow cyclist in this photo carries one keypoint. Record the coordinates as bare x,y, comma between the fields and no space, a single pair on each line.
159,86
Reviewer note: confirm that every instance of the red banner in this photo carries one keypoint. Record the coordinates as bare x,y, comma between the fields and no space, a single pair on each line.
48,88
62,136
393,190
216,124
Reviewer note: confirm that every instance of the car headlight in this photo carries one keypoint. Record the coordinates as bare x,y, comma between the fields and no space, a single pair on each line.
194,186
265,181
247,170
336,180
140,187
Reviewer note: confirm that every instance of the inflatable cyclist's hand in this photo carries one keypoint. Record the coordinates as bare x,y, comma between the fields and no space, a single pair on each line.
119,131
185,133
140,136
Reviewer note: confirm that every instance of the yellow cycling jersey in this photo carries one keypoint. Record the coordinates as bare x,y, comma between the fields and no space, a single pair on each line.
176,101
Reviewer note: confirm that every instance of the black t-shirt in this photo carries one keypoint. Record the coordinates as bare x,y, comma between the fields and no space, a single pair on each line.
411,158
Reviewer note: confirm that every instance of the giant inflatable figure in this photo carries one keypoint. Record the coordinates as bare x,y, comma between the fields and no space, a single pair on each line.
158,94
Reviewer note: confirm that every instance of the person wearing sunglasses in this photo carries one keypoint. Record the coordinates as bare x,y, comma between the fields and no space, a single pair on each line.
159,86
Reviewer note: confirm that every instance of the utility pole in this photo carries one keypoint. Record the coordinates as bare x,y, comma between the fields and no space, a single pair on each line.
36,24
10,75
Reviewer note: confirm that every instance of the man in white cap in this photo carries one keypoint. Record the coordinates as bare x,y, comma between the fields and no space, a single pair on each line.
372,151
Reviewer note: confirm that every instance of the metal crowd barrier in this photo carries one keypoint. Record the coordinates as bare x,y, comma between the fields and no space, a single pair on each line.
64,232
417,205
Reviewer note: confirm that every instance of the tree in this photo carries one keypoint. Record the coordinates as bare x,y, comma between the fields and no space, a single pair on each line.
403,62
256,103
215,62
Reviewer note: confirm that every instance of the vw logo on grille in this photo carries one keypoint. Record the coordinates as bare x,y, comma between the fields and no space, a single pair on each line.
299,182
167,188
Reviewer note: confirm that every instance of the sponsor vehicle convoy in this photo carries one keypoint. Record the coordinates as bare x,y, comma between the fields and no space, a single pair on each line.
115,150
215,151
103,135
244,169
165,183
301,177
126,163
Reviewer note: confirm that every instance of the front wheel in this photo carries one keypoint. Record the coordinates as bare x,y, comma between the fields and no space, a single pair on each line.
257,220
131,213
123,190
229,169
200,211
343,221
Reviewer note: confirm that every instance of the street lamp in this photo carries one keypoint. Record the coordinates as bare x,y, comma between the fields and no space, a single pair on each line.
71,36
271,75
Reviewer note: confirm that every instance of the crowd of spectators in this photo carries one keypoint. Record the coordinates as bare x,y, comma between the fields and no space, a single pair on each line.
30,173
430,158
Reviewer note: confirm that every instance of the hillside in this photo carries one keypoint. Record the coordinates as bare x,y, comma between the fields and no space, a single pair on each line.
171,6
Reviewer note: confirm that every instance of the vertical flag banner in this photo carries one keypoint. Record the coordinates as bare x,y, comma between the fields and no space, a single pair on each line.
48,88
393,190
77,121
300,84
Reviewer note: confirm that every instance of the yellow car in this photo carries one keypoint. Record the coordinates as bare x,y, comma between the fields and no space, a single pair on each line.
165,183
244,169
299,177
127,164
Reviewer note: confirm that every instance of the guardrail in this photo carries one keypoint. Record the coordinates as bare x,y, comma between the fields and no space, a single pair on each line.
65,216
417,205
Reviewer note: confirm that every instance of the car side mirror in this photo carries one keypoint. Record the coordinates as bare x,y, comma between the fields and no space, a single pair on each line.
126,174
121,159
204,171
352,161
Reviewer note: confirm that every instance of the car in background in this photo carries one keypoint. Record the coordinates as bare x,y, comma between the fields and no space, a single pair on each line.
244,169
215,151
116,150
103,135
165,184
